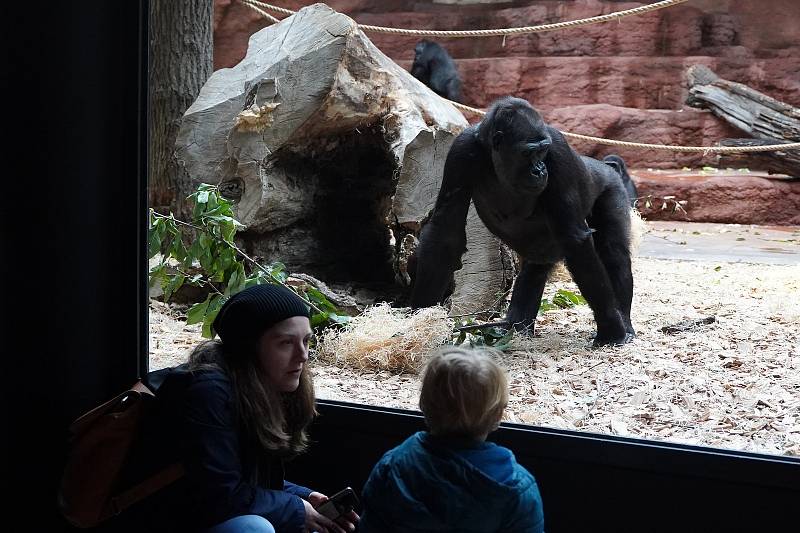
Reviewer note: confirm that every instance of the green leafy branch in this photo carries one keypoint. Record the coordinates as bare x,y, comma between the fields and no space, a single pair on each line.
497,334
213,260
563,299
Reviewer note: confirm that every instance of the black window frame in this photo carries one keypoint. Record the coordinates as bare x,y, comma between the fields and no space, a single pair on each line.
99,344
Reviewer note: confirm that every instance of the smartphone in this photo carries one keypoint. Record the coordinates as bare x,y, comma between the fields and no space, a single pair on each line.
339,504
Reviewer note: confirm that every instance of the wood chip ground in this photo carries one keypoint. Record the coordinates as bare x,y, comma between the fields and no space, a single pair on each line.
734,383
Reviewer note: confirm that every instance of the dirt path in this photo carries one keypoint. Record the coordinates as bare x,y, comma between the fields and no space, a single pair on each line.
734,383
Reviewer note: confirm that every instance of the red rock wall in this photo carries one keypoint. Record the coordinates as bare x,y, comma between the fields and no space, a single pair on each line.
623,80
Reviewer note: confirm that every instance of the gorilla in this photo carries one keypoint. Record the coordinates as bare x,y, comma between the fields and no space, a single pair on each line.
533,191
434,67
618,164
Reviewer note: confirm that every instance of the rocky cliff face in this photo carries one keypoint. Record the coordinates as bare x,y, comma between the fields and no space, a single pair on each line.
622,80
635,66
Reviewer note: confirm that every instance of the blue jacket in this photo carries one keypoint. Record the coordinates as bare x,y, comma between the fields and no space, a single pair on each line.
432,484
196,424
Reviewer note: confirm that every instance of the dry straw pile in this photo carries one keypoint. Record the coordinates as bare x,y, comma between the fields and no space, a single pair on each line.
383,338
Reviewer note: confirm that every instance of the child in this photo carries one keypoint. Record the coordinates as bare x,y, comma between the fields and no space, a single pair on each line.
450,478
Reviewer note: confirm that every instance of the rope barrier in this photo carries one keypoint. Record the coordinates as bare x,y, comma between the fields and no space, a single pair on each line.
500,31
261,12
706,150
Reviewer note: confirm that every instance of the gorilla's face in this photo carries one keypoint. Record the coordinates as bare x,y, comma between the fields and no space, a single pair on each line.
418,68
519,156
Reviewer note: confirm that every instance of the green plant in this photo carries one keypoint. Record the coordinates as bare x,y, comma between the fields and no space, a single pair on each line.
562,300
495,334
213,260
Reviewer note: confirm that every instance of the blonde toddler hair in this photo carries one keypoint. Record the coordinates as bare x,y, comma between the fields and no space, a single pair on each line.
464,392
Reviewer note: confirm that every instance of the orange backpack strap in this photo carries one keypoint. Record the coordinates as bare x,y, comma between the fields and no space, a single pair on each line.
100,444
147,487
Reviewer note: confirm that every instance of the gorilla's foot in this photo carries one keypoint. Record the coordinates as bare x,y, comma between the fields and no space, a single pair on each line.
523,327
605,341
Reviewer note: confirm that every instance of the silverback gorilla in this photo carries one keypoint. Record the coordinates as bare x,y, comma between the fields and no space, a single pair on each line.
434,67
618,164
547,203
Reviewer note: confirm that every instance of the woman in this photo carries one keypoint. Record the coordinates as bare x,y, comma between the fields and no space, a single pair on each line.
233,414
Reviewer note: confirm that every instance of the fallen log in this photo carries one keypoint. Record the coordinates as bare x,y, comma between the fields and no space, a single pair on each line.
753,112
333,156
780,162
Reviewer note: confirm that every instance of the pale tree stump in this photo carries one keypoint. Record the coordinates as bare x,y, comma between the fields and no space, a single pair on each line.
334,157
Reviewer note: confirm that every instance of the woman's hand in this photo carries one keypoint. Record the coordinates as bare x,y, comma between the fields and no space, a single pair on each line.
316,498
316,523
343,524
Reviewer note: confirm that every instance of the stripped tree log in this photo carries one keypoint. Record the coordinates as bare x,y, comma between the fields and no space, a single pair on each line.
333,155
780,162
759,115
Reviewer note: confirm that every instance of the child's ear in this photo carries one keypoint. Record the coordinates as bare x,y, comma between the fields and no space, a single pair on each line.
499,419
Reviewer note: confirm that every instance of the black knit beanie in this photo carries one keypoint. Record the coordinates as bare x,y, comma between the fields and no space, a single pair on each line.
247,314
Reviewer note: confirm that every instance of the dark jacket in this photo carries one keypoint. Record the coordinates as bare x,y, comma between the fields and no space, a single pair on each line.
431,484
196,424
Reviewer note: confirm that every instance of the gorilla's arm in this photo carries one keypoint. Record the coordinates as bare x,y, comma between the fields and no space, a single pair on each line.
443,239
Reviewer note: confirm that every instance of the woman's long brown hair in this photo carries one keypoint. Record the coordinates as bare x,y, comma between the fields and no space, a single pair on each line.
276,421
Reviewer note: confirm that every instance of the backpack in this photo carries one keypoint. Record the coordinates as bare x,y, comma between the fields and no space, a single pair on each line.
93,486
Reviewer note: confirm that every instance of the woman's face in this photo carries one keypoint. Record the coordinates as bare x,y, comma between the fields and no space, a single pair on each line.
283,352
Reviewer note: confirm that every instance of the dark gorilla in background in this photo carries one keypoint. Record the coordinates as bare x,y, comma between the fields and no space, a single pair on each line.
547,203
618,164
434,67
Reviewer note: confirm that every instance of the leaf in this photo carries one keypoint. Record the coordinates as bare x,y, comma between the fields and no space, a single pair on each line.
278,271
494,333
178,250
257,279
320,300
565,299
546,305
195,250
505,341
173,285
211,313
318,319
339,319
213,201
206,261
206,241
573,297
153,243
237,281
197,312
228,231
157,273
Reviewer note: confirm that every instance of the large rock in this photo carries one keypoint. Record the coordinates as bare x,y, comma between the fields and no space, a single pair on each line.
334,155
688,127
640,82
701,27
727,196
